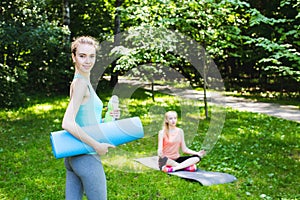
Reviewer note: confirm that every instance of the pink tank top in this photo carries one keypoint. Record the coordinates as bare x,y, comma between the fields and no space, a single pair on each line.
171,145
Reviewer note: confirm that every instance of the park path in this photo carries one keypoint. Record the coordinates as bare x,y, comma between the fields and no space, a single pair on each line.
288,112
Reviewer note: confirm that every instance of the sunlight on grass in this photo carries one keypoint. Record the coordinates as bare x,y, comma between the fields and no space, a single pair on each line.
124,161
39,109
261,151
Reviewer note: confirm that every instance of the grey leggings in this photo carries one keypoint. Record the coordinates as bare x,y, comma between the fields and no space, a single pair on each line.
85,174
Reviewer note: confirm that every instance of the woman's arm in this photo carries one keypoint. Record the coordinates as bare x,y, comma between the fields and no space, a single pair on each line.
184,148
78,91
160,143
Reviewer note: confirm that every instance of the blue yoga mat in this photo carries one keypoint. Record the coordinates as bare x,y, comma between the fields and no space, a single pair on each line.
117,132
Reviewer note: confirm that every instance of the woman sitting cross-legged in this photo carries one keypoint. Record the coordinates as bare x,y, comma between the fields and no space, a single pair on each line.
170,140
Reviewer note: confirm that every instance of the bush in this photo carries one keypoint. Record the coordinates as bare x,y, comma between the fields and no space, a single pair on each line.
11,81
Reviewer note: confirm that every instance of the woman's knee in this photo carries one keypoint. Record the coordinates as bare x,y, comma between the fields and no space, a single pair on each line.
197,159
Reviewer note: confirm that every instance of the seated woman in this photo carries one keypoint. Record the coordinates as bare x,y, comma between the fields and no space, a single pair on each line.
170,140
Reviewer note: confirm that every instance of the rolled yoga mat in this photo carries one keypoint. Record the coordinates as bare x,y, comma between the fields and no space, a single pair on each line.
117,132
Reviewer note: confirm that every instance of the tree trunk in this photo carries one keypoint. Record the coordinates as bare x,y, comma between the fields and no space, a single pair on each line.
204,83
152,90
117,30
66,17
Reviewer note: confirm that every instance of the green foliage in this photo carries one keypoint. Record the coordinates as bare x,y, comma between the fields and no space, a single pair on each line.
281,45
254,44
214,25
92,17
247,44
261,151
11,81
34,47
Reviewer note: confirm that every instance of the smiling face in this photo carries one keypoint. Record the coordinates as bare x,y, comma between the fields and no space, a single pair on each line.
84,58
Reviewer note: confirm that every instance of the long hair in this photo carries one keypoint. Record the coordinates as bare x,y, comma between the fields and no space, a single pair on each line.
166,123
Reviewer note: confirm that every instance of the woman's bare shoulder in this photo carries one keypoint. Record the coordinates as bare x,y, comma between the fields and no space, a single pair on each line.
180,130
78,89
79,82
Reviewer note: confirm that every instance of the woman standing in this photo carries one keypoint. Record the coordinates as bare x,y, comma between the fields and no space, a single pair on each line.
85,173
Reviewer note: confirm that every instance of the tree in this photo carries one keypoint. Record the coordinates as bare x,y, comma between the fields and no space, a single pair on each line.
232,32
32,49
276,34
254,43
117,30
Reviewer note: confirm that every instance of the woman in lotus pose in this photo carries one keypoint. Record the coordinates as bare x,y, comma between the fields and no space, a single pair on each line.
85,173
170,140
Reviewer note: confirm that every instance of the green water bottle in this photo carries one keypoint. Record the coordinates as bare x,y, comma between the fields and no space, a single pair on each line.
113,105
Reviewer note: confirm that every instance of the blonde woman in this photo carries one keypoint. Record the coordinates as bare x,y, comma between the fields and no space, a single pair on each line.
170,141
84,173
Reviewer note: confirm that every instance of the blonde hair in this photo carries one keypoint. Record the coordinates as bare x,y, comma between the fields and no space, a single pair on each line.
84,40
166,124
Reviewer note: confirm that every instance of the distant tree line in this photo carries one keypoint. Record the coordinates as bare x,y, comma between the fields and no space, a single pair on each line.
254,44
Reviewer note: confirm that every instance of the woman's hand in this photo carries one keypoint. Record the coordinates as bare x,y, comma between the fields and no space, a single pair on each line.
102,148
115,114
160,153
201,153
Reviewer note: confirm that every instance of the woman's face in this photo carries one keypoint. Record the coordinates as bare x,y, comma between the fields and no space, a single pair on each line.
172,119
85,57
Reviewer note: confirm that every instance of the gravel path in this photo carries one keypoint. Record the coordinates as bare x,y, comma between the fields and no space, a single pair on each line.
287,112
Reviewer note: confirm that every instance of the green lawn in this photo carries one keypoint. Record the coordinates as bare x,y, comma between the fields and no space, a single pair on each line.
262,152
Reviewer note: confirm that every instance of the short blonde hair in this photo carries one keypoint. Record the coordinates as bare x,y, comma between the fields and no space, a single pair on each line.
84,40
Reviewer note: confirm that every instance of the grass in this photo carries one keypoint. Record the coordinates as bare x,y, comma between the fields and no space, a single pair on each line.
262,152
290,98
